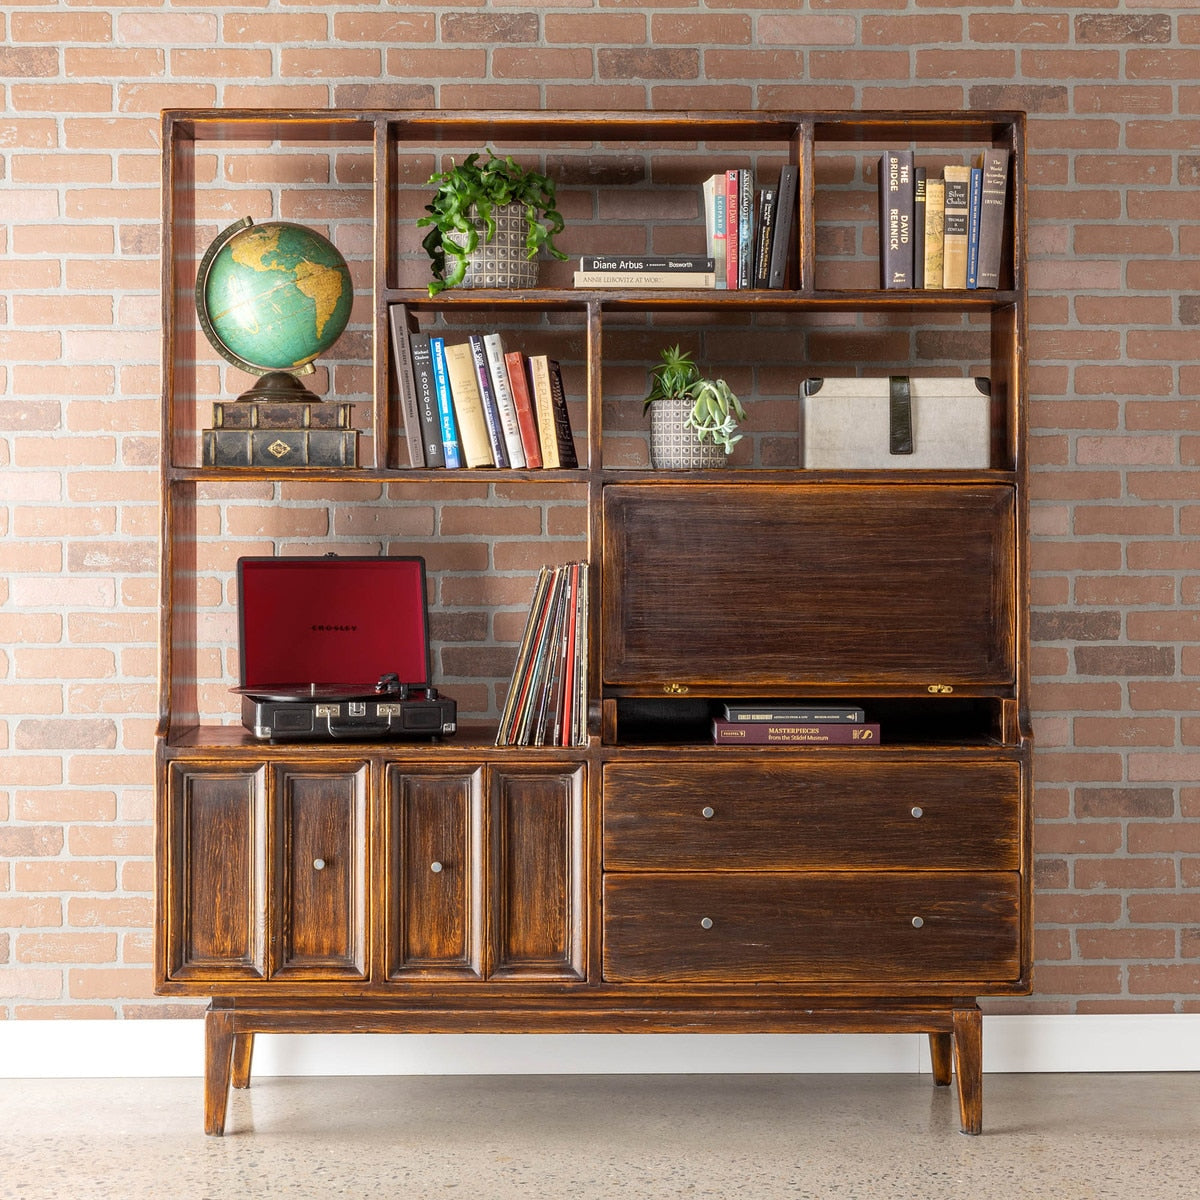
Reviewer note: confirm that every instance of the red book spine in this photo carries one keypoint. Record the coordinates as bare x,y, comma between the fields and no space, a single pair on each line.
518,380
733,208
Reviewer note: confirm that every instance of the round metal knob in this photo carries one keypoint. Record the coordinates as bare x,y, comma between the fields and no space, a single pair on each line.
707,812
436,868
918,812
318,864
706,922
917,922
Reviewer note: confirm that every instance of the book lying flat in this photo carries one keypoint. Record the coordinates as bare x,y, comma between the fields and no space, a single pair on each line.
792,733
806,713
645,279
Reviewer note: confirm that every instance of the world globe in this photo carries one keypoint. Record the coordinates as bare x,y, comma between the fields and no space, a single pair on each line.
273,297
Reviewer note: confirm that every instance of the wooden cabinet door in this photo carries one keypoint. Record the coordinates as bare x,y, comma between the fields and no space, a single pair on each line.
213,896
319,917
433,831
536,872
888,584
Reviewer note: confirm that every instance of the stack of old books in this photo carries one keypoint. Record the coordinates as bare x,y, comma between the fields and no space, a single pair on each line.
281,433
790,724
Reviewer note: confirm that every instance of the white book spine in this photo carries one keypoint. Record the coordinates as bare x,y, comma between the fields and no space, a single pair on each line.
494,348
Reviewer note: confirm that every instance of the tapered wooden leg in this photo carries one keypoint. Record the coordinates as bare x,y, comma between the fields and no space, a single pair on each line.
243,1052
218,1063
968,1066
941,1051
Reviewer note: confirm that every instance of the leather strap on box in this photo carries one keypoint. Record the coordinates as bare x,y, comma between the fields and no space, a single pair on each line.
900,433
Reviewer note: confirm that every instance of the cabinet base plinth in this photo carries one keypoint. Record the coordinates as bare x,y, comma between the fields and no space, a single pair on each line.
955,1034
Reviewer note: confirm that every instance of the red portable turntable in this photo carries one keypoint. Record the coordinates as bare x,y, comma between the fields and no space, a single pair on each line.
332,648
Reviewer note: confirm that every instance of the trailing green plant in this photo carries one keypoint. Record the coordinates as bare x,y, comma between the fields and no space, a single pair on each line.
467,192
715,410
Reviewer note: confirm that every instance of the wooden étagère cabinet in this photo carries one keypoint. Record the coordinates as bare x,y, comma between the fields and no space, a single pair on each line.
649,881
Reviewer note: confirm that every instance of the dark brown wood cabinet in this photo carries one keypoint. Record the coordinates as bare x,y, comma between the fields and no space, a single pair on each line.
648,881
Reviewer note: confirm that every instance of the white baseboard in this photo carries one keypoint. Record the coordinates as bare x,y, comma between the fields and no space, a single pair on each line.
159,1048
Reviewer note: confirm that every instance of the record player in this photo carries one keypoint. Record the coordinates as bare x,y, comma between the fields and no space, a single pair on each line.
333,648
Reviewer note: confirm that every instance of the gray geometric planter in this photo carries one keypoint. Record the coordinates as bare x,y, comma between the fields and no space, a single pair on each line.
673,446
502,262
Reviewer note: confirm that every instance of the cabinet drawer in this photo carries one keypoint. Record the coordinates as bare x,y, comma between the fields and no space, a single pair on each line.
792,815
897,927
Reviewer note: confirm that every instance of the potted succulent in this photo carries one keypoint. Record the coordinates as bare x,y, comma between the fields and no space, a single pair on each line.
515,210
693,419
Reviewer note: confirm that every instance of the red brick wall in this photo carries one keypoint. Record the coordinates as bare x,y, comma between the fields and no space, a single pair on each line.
1115,325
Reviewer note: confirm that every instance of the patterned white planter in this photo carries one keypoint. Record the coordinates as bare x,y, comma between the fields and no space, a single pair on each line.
673,446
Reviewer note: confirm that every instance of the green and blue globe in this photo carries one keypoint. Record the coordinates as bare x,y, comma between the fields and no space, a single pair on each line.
274,296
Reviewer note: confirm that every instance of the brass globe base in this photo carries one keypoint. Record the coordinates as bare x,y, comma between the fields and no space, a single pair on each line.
279,385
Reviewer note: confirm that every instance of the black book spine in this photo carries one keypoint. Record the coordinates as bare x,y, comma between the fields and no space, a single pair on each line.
784,225
427,405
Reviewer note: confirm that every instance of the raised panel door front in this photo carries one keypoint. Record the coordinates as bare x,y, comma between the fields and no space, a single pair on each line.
215,901
321,909
536,872
434,834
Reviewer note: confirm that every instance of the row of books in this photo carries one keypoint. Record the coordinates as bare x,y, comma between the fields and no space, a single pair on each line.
793,725
749,228
941,232
466,401
748,232
547,697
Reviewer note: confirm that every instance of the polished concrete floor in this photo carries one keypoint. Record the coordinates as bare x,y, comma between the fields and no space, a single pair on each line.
749,1137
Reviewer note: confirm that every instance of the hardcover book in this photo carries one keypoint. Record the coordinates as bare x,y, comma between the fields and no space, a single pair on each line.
647,262
792,733
956,226
807,713
562,417
406,384
920,181
993,201
518,380
283,414
746,229
935,211
487,396
767,198
450,446
645,279
895,218
427,403
280,447
785,225
543,407
975,197
733,186
502,389
468,406
713,198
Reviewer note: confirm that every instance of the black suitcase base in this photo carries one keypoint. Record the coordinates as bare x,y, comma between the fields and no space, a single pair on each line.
370,718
